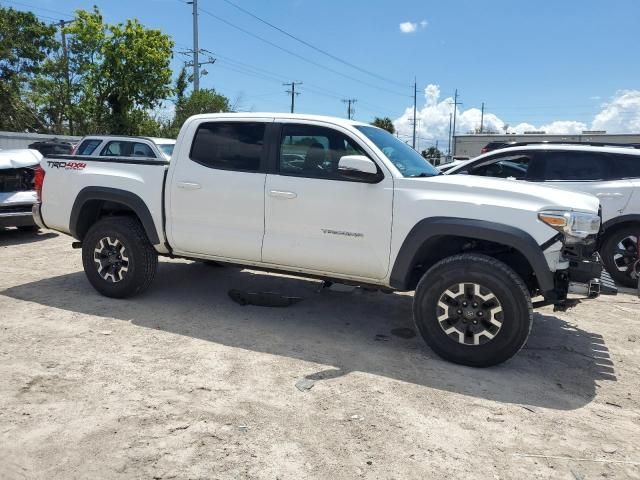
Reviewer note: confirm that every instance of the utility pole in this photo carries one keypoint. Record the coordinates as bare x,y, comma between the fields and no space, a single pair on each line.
455,112
65,56
293,93
196,49
350,111
449,137
415,98
482,117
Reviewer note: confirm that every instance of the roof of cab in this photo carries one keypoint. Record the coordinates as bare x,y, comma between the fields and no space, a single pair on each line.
280,116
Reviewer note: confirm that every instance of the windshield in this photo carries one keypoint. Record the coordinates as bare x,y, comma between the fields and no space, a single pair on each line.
167,148
406,159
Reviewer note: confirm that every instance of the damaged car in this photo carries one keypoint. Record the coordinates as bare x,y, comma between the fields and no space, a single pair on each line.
18,170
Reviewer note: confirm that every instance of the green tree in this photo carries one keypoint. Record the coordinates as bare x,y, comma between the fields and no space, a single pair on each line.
118,73
432,154
24,43
386,123
202,101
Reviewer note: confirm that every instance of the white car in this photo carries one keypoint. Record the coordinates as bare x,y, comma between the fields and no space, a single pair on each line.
340,200
611,173
17,190
121,146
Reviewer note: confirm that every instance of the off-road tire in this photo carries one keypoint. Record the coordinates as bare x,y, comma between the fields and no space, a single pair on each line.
142,258
609,249
508,289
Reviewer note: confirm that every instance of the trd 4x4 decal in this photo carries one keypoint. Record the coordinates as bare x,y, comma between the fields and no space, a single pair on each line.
67,165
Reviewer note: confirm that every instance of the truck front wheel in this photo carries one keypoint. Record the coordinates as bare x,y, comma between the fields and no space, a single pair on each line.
117,257
473,310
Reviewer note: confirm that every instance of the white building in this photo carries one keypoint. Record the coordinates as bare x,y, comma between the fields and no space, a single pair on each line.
470,145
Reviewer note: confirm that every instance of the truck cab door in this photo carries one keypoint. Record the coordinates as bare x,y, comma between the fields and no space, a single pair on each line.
316,220
215,201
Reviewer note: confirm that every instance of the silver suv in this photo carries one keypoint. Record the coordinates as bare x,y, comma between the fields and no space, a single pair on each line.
610,172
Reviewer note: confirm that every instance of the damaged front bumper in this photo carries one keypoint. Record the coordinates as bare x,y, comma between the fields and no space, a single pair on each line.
584,278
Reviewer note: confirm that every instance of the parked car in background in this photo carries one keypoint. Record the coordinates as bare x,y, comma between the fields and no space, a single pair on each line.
53,147
120,146
611,173
17,192
448,166
491,146
339,200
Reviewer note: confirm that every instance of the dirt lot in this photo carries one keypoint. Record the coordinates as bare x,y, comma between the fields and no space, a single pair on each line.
182,382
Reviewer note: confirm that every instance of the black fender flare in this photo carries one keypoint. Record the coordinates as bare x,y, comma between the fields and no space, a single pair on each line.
429,228
621,219
131,200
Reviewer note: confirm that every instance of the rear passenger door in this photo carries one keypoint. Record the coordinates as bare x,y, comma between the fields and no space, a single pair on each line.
589,172
216,199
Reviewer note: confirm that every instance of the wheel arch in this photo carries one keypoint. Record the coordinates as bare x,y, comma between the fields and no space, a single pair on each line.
620,222
91,204
433,239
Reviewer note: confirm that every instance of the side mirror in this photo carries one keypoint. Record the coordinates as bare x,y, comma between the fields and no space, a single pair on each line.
359,168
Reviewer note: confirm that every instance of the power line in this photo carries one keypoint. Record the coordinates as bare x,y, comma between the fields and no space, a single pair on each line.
317,49
40,8
290,52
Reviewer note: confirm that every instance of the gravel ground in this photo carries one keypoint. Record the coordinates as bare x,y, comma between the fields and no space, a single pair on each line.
181,382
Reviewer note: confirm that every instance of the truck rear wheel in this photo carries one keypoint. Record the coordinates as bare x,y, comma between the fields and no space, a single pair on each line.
473,310
117,257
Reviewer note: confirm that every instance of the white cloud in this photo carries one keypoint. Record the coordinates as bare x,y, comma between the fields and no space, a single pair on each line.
620,115
410,27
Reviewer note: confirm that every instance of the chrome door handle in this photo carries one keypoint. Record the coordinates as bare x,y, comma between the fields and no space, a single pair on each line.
281,194
189,185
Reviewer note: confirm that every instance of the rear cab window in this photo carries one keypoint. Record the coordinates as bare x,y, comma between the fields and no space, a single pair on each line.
235,146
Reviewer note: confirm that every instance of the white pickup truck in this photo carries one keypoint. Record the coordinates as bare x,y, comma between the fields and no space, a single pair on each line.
333,199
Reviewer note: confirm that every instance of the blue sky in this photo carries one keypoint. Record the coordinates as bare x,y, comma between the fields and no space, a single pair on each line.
532,62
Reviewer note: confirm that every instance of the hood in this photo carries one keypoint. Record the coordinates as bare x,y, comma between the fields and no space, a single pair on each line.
478,189
19,158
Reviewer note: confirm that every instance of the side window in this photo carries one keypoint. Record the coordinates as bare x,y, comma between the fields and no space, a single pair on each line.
505,166
88,147
121,148
229,145
312,151
142,150
627,166
576,166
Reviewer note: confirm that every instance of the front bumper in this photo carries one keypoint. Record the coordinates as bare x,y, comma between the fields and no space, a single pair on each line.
585,278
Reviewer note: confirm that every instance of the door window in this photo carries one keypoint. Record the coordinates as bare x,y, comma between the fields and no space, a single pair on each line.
314,152
627,166
229,145
576,166
505,166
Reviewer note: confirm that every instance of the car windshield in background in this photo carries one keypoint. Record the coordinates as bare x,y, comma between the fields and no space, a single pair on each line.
406,159
166,148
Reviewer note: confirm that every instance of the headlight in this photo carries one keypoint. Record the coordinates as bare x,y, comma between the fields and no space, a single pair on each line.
575,226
